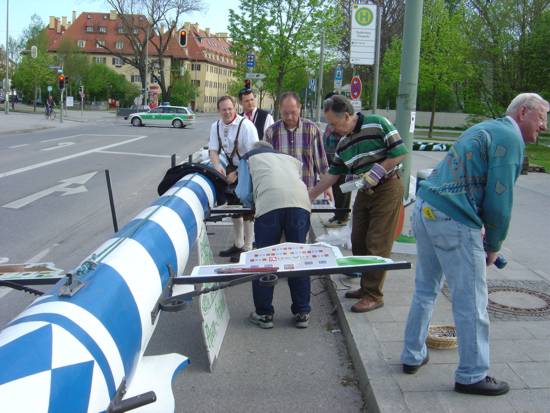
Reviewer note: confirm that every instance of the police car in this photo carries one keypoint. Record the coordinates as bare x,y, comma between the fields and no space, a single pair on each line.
176,116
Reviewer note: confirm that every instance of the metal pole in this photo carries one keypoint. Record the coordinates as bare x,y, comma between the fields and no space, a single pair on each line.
61,107
145,94
111,201
173,160
6,85
377,59
408,85
320,83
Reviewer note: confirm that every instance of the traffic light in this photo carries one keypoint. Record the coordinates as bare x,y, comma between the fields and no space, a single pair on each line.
183,38
61,81
247,84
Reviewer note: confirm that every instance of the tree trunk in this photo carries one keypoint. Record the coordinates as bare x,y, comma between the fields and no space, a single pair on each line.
432,118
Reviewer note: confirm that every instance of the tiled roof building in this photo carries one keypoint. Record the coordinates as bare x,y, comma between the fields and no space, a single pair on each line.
207,55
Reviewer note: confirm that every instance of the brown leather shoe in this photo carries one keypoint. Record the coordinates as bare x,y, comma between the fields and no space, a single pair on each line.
366,304
357,294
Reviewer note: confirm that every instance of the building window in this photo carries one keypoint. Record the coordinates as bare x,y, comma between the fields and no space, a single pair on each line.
135,79
89,29
117,61
119,44
99,44
120,30
135,31
102,29
101,60
196,66
81,44
196,83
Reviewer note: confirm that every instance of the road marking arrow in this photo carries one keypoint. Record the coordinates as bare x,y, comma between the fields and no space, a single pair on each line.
63,187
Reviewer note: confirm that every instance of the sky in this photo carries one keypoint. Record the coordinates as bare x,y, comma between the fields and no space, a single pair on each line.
216,16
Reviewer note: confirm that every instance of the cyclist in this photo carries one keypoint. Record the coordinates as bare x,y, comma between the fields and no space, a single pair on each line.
49,106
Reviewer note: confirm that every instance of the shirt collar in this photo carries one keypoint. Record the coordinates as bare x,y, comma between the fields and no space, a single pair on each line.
295,128
359,123
513,122
235,121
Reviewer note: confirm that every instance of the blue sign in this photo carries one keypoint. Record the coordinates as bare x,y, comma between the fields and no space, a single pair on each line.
250,60
339,73
312,84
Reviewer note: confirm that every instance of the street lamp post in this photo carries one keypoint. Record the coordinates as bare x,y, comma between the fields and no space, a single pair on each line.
6,85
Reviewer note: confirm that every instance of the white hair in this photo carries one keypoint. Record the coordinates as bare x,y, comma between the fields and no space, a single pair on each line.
529,100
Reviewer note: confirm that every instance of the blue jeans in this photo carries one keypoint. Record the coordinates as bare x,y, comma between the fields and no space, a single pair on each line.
268,230
447,246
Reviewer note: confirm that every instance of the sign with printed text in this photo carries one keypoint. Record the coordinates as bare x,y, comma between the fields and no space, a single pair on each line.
70,101
338,77
356,103
363,34
213,306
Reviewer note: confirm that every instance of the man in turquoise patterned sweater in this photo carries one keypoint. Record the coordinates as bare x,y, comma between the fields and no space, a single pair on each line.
469,191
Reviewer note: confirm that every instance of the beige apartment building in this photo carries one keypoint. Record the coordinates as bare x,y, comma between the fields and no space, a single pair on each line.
207,56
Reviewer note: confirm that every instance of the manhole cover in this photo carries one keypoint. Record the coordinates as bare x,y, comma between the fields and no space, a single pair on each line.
518,301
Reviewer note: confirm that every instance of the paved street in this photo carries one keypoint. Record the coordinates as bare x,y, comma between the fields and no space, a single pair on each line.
54,208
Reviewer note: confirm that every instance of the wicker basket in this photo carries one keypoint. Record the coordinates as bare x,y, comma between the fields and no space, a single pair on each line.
441,337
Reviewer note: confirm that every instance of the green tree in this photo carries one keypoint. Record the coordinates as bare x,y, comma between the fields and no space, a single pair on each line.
498,32
103,83
157,30
442,56
182,90
284,35
537,75
32,76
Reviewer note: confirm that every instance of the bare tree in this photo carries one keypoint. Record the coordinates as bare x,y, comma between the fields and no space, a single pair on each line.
153,23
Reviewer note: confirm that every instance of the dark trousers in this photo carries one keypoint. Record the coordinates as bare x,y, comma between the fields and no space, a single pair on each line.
268,229
341,200
375,216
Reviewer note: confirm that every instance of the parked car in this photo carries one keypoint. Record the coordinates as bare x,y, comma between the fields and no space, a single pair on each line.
176,116
125,112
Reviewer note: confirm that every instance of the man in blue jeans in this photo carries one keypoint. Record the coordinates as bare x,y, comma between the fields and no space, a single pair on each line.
282,207
471,189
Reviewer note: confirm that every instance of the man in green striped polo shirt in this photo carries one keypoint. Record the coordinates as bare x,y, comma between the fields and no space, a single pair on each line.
371,148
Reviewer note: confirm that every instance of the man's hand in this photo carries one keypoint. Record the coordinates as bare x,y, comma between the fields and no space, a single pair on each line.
490,257
373,176
220,169
328,194
231,178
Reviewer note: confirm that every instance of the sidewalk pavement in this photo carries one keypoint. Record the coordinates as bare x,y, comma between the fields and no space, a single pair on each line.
24,119
520,344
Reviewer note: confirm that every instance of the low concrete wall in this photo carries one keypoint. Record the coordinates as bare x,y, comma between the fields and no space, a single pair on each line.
442,119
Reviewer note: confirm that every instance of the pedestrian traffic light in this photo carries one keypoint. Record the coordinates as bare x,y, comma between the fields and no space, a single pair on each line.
247,83
183,38
61,81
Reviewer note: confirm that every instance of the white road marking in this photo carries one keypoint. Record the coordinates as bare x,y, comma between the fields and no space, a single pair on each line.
62,187
58,146
149,155
82,134
38,257
60,139
64,158
4,260
18,146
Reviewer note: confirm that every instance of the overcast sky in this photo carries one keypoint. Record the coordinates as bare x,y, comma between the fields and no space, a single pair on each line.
216,17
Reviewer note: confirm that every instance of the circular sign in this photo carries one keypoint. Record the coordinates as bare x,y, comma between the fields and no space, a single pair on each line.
364,16
355,87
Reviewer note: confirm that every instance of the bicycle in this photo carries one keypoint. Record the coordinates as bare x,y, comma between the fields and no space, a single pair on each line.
50,113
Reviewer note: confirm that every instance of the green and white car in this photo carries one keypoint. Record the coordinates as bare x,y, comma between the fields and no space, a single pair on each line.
176,116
